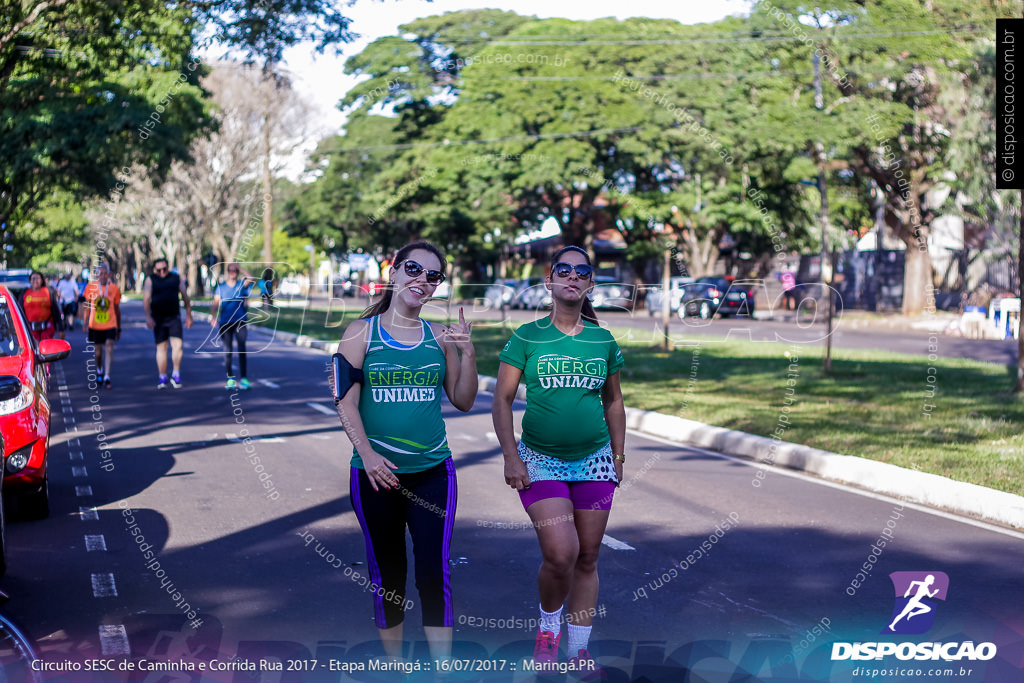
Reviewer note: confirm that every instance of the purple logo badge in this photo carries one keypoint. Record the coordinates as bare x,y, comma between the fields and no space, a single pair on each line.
916,596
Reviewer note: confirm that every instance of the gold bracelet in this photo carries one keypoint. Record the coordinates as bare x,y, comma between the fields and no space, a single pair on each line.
621,457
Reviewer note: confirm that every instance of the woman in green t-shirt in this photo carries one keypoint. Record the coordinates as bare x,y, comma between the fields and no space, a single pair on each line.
402,474
570,458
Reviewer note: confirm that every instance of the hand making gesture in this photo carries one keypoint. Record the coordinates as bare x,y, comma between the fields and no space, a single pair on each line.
459,334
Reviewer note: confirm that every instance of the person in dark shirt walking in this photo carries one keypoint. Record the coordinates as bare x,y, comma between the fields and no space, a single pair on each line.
163,316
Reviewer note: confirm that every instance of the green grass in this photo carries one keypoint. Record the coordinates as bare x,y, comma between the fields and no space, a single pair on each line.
871,405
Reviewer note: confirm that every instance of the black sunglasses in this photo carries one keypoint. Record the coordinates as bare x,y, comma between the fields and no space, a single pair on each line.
583,270
413,269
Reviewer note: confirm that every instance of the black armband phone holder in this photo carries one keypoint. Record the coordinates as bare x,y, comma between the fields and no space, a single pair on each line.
345,375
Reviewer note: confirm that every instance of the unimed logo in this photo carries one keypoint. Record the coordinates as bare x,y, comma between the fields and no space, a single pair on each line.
916,595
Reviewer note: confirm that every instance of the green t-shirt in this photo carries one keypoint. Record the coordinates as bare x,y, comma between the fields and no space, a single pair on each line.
400,403
564,376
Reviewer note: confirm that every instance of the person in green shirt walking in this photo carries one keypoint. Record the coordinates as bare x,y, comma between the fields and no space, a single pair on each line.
402,474
569,461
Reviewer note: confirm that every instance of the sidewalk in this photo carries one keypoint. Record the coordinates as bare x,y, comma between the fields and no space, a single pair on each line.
907,485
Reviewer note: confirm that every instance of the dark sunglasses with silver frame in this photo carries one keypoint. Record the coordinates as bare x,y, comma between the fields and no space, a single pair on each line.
583,270
413,269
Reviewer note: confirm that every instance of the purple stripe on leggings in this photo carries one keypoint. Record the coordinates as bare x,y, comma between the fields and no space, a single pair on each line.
371,559
446,547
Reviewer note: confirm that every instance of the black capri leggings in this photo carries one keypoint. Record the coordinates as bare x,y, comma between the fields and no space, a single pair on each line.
425,502
237,332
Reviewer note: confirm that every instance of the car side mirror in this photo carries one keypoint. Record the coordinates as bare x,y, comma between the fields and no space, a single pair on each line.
51,350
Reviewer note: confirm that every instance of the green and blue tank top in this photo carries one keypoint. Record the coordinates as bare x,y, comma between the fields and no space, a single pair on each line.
400,400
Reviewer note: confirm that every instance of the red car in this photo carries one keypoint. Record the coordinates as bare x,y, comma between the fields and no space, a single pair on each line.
24,407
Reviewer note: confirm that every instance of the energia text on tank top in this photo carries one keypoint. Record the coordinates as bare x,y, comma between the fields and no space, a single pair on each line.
400,401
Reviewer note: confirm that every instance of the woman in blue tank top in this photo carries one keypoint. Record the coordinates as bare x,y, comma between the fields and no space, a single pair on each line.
401,472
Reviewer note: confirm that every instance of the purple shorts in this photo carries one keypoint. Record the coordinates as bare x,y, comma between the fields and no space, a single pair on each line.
585,495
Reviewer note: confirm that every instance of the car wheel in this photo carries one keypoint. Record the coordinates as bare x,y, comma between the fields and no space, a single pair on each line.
705,311
725,315
36,505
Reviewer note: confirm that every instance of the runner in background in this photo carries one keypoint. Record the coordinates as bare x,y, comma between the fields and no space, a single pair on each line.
41,310
103,313
67,297
229,313
163,315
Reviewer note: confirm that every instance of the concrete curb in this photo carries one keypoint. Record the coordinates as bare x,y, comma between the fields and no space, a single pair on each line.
908,485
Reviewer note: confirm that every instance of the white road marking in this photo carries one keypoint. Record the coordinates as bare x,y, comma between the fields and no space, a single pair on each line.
88,513
103,585
83,490
79,472
114,640
322,409
615,544
268,383
233,438
95,542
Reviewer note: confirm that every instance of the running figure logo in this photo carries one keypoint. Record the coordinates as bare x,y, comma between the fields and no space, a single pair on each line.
916,593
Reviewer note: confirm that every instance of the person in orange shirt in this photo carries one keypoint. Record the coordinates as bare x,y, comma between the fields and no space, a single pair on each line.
103,308
40,306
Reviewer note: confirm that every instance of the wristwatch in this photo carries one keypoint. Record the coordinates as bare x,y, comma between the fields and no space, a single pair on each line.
621,457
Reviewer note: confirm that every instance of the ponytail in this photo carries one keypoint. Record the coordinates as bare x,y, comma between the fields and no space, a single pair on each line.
587,312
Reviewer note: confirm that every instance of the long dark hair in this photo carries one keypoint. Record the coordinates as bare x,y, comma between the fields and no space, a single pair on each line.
402,255
587,312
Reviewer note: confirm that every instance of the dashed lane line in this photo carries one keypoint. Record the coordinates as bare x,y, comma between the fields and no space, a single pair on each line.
322,409
114,640
103,585
95,542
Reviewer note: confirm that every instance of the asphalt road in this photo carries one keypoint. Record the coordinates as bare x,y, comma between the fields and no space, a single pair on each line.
774,587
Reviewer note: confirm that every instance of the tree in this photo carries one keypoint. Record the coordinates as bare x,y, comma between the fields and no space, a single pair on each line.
885,99
62,65
212,202
80,80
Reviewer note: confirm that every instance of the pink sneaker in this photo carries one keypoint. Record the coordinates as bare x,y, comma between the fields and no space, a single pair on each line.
583,668
545,651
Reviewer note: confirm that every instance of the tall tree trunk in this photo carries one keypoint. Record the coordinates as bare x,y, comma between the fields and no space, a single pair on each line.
918,288
141,264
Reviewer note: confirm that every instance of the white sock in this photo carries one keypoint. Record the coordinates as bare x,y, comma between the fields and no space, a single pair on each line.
551,621
579,638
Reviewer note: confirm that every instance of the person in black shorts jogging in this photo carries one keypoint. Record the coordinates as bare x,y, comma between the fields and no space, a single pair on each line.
402,474
163,316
